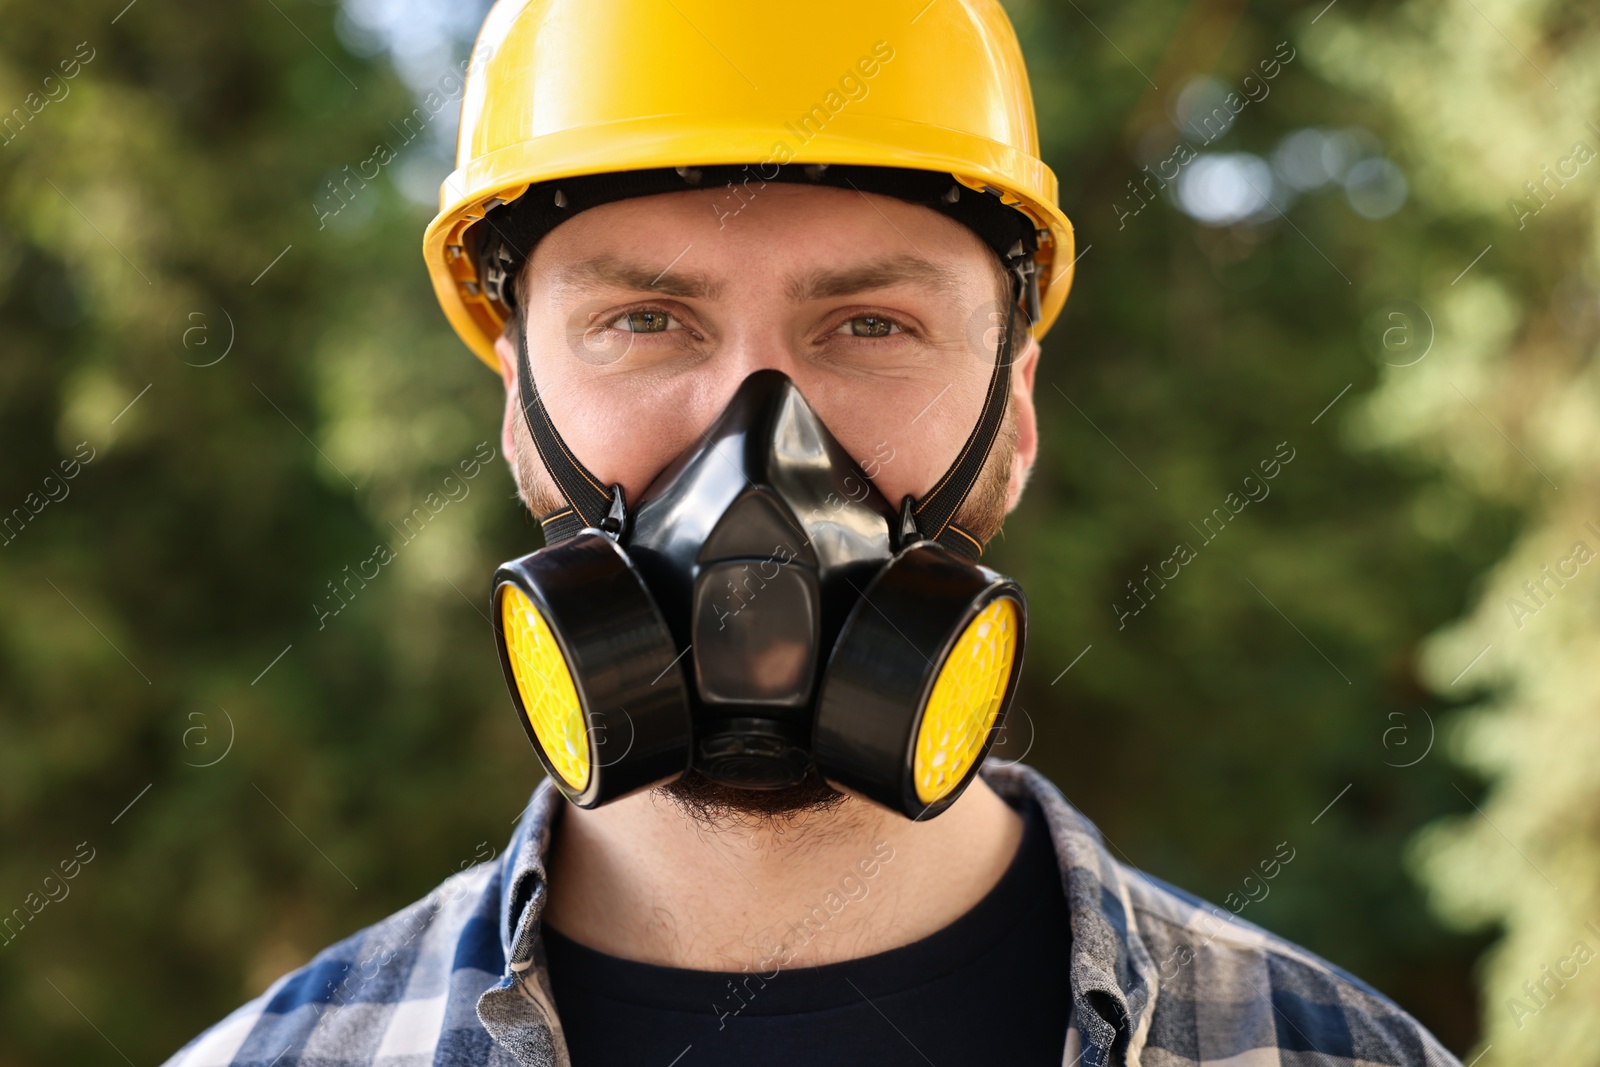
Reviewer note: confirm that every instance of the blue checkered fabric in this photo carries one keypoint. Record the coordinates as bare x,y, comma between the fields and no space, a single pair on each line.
1159,977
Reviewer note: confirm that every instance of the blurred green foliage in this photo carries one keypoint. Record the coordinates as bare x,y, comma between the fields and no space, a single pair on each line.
1503,134
140,215
162,644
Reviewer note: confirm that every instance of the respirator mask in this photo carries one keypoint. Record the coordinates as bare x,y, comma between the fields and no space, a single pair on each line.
761,609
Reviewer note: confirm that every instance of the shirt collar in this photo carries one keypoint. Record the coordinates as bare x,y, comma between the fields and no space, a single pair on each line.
1112,974
523,879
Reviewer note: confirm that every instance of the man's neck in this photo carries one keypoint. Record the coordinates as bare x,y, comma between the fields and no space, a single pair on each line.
641,880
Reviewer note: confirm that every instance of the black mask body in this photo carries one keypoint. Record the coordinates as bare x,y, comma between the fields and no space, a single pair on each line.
761,609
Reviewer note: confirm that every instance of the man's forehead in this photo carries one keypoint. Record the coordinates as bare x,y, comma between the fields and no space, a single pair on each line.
801,285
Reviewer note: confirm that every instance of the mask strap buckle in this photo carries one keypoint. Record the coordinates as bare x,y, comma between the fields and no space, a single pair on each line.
616,520
909,532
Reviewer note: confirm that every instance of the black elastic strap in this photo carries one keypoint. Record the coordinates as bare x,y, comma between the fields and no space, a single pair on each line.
935,511
560,525
589,499
584,492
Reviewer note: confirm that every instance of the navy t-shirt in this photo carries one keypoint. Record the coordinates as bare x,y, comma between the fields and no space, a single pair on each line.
992,987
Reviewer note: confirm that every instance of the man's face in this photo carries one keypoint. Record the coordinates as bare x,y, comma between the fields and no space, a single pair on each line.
643,316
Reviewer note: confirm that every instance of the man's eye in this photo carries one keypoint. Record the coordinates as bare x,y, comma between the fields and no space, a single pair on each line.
868,326
645,320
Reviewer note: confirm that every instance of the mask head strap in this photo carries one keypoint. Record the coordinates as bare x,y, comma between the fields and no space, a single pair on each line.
931,517
934,513
589,502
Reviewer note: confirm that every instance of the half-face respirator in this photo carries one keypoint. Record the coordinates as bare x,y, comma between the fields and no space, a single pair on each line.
761,610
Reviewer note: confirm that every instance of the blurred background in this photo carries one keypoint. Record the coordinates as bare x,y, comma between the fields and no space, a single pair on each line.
1351,244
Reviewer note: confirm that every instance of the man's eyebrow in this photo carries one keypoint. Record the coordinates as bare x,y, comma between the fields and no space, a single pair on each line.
608,272
876,274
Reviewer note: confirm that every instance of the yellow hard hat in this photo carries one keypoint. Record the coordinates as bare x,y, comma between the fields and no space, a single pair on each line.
564,88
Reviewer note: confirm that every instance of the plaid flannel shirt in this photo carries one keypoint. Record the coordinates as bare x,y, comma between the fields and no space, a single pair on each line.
1159,977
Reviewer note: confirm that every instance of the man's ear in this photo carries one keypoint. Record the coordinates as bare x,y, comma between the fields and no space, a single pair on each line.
506,351
1022,375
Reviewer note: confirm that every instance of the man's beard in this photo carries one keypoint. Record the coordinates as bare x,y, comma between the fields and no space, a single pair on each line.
715,806
723,807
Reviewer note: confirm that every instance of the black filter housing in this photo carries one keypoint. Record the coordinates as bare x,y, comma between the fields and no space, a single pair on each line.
620,654
884,668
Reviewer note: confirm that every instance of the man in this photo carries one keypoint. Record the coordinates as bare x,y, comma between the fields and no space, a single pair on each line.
763,278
